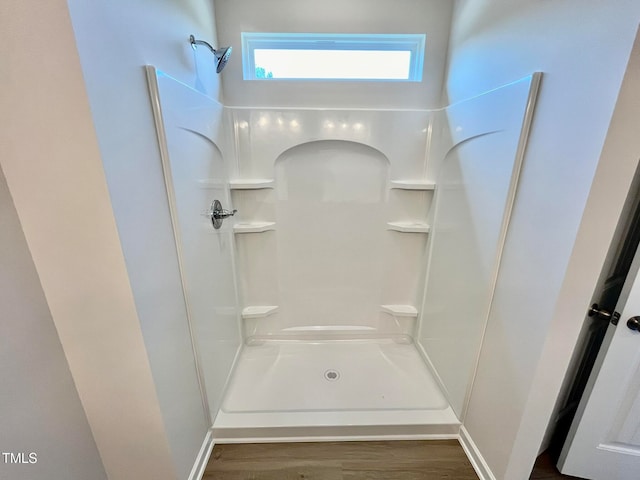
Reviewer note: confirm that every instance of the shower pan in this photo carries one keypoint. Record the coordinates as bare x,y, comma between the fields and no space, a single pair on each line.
347,296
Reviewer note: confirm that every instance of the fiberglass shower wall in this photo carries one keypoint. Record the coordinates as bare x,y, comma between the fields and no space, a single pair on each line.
351,224
332,225
365,223
193,142
477,182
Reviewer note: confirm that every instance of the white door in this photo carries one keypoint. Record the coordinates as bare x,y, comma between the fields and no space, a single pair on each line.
604,441
192,140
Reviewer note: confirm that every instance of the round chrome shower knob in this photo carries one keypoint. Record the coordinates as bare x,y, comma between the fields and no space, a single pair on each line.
218,214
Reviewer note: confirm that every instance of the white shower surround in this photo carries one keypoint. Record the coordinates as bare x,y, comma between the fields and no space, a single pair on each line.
333,237
330,200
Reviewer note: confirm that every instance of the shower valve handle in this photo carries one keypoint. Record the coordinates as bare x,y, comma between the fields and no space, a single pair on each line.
218,214
222,214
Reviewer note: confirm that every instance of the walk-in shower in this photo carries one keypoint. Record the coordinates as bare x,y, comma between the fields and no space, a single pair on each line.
348,295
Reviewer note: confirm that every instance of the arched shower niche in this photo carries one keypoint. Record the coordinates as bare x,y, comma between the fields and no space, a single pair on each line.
366,247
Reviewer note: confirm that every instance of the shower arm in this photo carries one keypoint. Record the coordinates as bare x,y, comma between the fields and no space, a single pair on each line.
195,42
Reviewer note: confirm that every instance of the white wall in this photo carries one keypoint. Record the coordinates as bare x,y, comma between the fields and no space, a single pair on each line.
50,158
582,48
115,39
335,16
39,404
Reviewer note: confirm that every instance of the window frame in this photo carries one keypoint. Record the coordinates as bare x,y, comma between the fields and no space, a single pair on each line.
415,43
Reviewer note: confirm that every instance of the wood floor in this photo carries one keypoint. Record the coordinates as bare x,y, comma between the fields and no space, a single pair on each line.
397,460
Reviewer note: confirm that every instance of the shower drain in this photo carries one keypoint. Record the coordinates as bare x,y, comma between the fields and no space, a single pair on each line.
331,375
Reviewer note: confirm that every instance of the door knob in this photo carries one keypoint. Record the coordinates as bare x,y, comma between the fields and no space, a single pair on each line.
602,314
634,324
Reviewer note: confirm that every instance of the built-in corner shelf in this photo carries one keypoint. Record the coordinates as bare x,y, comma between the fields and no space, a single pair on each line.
413,185
259,311
251,183
408,227
254,227
400,310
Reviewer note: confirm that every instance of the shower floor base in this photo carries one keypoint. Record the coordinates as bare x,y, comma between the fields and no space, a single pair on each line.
332,389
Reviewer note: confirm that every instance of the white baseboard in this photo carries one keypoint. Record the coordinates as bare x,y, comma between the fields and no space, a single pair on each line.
353,438
327,433
475,457
203,457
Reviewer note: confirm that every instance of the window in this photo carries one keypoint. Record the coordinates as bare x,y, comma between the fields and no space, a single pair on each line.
324,56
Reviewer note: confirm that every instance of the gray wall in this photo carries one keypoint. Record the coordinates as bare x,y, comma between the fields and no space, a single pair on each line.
40,410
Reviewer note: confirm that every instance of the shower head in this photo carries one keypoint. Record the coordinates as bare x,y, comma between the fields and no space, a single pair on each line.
222,54
222,57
